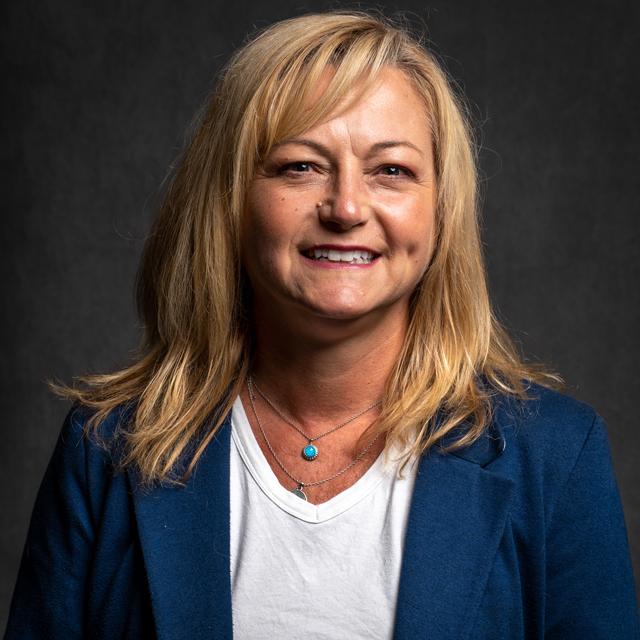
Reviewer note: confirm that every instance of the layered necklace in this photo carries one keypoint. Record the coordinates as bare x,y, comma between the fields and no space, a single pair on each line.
309,452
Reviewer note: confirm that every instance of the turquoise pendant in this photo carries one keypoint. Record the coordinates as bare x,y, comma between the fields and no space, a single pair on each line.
310,452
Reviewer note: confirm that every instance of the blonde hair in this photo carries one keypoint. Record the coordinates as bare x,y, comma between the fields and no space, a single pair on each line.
191,288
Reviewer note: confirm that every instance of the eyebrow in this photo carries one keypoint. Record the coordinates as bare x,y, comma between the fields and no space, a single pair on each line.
378,146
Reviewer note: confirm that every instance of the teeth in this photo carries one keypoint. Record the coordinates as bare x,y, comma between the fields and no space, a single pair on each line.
334,255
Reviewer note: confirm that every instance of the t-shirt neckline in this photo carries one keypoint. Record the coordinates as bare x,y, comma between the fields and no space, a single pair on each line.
262,473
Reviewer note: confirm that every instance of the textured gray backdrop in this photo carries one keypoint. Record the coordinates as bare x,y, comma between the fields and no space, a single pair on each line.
96,100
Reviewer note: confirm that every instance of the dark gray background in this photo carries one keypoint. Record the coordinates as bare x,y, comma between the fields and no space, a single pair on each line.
95,104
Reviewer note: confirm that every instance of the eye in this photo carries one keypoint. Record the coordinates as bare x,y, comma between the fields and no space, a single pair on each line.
295,167
395,171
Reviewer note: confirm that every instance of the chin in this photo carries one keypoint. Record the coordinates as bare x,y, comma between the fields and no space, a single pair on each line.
340,311
342,315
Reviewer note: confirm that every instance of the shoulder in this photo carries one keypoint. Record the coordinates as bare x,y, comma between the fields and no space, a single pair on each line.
77,430
84,463
546,405
548,425
548,439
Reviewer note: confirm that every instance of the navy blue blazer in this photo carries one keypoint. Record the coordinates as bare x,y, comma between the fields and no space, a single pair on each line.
520,535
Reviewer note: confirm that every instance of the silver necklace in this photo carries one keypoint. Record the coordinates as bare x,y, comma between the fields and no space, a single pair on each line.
299,490
310,451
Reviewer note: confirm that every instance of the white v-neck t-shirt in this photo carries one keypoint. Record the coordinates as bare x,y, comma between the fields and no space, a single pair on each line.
319,572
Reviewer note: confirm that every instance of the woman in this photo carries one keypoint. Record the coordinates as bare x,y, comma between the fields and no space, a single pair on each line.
327,433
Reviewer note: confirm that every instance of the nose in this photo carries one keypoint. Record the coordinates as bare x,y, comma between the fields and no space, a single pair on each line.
344,207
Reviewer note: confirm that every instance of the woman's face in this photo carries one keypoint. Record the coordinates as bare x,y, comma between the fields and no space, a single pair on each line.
340,220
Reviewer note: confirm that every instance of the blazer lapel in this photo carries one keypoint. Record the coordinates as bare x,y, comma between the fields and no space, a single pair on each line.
184,533
457,518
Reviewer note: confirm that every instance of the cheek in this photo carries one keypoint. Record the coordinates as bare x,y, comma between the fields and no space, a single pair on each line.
415,232
272,218
269,232
419,244
260,230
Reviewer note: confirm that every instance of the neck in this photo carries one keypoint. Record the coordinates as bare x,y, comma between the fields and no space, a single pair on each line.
324,374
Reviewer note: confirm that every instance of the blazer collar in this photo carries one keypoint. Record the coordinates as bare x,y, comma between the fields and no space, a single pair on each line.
455,524
184,534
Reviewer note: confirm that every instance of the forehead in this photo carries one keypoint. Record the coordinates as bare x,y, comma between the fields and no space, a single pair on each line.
386,107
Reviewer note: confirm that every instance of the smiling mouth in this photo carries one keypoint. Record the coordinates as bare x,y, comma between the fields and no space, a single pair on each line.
348,256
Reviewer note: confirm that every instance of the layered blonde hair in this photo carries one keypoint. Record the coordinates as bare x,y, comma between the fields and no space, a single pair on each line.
192,290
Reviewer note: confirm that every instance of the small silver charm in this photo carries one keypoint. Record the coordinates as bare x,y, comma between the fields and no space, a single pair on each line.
300,493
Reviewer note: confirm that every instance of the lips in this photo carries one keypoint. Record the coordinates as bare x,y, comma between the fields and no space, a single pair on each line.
347,255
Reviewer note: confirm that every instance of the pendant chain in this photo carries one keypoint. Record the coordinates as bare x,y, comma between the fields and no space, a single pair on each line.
254,385
250,387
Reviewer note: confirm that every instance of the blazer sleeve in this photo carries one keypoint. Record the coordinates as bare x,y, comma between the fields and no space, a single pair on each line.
590,590
50,594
